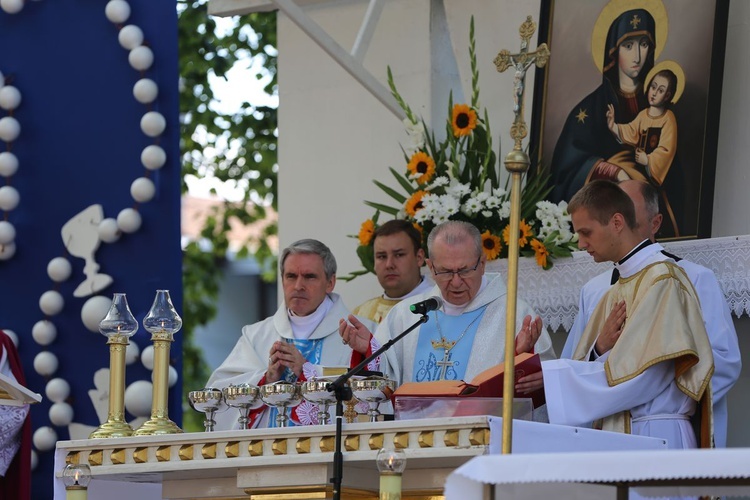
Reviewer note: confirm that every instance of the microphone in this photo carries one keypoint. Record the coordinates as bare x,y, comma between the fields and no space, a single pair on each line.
431,304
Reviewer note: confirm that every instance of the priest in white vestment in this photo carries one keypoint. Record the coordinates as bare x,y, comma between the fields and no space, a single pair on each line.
715,310
644,360
466,335
398,259
295,343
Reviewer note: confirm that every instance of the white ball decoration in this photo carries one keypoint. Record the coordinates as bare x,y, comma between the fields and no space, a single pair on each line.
132,353
138,398
153,157
8,164
172,376
145,91
153,123
44,332
61,414
10,97
130,37
8,232
108,230
142,190
117,11
57,390
13,336
10,129
44,438
141,58
51,302
93,312
129,220
45,363
7,251
34,460
9,198
59,269
11,6
147,357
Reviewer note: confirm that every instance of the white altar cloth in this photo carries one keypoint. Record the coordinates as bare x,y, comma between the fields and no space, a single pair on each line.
596,475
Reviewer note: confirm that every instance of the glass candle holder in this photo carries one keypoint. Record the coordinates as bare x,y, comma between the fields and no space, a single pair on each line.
118,326
391,464
76,478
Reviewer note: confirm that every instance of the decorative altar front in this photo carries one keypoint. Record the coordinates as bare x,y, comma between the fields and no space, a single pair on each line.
296,462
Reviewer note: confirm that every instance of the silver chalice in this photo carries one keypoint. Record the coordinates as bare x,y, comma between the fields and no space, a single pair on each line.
209,401
374,390
315,392
281,395
244,397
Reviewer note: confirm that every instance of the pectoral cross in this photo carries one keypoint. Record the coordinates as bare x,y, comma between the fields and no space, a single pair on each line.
521,62
446,362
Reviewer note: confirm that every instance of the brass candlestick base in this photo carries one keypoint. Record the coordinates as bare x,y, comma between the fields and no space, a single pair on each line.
112,430
158,425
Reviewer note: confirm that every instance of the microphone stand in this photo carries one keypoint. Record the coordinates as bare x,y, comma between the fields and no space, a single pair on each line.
344,393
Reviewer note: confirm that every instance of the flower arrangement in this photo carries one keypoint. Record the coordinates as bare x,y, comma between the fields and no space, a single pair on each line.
458,178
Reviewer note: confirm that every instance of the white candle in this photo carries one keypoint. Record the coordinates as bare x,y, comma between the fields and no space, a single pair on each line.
390,486
76,493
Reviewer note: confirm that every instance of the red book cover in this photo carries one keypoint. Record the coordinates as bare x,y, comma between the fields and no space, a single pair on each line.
488,384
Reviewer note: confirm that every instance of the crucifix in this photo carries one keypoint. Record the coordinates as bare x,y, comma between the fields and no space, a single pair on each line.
446,362
517,163
521,63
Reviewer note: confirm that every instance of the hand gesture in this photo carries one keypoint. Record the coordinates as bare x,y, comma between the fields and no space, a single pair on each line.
528,334
355,334
612,328
611,120
641,158
283,355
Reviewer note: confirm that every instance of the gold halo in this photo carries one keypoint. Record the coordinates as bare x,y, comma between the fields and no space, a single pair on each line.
675,68
612,11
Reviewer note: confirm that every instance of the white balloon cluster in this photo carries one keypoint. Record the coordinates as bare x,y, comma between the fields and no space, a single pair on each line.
128,220
10,129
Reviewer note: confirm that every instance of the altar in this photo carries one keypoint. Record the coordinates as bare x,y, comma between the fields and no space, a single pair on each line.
296,462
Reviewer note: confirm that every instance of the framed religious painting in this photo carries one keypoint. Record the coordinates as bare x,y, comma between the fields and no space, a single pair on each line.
632,90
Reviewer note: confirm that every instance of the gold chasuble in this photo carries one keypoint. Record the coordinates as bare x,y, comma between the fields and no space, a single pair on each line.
663,323
375,309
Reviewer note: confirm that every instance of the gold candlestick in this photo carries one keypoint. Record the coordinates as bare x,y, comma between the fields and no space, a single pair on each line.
163,322
118,326
517,163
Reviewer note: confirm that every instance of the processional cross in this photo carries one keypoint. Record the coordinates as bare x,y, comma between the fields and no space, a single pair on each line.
517,163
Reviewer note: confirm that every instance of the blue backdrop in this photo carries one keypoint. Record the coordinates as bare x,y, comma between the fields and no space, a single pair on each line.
80,144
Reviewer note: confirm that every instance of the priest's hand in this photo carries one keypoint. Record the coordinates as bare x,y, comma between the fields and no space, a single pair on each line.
355,334
528,334
612,328
283,355
530,383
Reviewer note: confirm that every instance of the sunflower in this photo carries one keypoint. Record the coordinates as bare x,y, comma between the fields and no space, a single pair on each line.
523,238
491,245
540,252
421,167
464,120
414,204
365,232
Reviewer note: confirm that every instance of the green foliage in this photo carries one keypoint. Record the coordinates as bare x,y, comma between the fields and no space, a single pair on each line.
238,148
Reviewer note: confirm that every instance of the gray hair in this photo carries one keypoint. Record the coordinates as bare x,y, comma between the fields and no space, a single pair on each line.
456,231
310,246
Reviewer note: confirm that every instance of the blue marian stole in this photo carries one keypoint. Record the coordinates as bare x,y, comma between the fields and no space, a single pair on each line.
310,350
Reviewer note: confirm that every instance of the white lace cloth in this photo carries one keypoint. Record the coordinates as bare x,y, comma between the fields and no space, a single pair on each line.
554,293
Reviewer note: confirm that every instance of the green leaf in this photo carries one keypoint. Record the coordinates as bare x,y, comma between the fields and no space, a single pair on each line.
403,181
383,208
391,192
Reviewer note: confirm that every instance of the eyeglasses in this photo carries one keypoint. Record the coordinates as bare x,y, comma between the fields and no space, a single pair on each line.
462,273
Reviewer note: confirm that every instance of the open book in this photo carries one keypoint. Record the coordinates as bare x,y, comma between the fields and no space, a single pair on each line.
488,384
14,394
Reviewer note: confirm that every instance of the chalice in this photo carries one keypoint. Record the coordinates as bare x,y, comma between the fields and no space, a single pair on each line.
373,390
315,392
209,401
281,395
244,397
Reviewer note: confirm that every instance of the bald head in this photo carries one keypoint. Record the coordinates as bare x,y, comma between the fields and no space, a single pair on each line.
646,201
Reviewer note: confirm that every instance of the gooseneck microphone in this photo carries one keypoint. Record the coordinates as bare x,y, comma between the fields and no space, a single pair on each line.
427,305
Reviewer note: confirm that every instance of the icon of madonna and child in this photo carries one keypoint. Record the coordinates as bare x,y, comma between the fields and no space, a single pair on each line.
626,128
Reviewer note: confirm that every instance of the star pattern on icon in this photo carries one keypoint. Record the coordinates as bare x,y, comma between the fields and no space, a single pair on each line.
581,116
